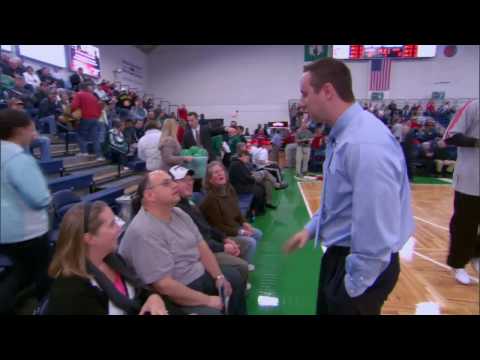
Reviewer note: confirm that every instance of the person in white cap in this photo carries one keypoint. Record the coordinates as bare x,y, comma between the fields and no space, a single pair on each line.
464,132
226,250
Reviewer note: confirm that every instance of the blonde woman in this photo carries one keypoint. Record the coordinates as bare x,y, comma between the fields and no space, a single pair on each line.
90,278
169,146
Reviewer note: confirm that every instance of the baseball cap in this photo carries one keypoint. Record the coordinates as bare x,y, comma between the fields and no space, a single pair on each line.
179,172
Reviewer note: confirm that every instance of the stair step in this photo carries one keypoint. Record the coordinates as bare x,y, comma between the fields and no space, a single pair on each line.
86,165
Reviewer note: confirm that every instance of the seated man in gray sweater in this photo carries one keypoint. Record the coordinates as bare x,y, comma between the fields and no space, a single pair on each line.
227,251
164,246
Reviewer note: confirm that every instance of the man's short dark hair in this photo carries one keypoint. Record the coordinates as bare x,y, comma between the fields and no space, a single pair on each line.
11,120
152,124
84,85
244,153
193,114
331,71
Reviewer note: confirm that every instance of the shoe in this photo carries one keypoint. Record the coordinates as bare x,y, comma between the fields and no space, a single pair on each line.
282,186
476,264
461,276
248,287
101,158
270,206
251,267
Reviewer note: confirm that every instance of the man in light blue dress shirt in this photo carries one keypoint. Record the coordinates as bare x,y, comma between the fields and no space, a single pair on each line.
365,217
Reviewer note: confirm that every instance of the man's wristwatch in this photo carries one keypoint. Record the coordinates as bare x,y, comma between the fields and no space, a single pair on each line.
221,276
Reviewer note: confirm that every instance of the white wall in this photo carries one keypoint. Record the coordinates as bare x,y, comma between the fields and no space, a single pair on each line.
111,59
259,80
217,80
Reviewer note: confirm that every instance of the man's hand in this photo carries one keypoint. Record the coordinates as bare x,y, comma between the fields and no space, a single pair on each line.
231,249
296,241
215,302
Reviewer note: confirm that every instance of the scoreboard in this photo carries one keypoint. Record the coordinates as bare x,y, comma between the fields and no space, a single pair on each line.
359,52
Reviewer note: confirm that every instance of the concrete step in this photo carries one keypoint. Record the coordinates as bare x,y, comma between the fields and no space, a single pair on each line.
85,163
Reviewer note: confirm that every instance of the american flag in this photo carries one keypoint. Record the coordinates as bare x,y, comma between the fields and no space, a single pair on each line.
380,74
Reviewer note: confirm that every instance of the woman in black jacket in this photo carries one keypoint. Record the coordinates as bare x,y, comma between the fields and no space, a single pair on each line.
244,183
90,279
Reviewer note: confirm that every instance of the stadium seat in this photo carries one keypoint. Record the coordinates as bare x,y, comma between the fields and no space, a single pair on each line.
137,165
52,166
75,182
61,202
107,195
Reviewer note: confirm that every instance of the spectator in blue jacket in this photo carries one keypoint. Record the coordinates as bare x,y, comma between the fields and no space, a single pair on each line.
24,218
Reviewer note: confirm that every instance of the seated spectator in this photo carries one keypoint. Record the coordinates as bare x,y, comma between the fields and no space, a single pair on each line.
261,162
31,77
130,133
169,146
66,117
163,245
6,82
104,124
24,217
261,136
139,129
430,108
232,140
220,208
45,76
226,250
260,183
90,278
24,92
100,93
243,182
14,67
77,78
118,147
138,112
257,130
148,146
41,93
49,110
125,101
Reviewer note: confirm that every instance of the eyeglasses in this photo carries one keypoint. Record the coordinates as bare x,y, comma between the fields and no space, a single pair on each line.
164,183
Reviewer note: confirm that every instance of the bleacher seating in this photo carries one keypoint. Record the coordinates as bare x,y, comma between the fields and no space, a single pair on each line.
52,166
76,182
107,195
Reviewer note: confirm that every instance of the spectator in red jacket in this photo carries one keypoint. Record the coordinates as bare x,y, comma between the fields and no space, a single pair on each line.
182,113
89,128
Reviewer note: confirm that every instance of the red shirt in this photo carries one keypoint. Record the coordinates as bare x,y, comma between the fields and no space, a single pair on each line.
88,104
180,134
317,142
183,114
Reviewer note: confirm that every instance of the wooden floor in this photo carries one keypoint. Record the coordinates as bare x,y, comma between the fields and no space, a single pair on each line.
426,278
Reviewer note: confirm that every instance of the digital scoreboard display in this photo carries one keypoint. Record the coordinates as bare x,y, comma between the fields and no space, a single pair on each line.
361,52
